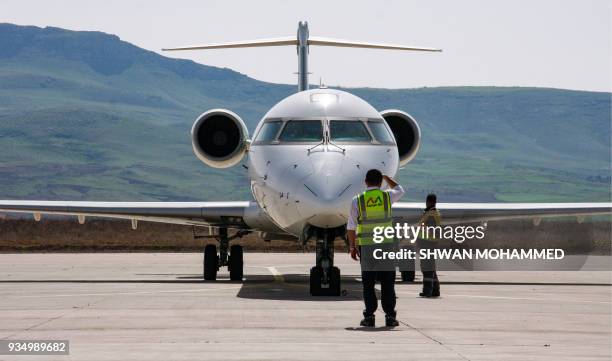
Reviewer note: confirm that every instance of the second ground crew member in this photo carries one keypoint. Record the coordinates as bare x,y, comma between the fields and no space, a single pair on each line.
371,209
431,217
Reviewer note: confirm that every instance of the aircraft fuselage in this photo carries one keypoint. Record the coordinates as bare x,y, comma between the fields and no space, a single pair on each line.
302,181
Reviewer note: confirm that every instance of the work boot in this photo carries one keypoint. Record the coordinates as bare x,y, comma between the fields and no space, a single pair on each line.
431,294
368,321
390,321
426,293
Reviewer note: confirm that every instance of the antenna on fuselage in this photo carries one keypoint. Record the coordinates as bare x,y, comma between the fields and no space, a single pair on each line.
302,42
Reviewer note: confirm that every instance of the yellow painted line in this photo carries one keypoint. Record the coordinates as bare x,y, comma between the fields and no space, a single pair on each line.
278,277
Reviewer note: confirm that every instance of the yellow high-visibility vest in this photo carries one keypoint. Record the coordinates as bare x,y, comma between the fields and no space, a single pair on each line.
374,208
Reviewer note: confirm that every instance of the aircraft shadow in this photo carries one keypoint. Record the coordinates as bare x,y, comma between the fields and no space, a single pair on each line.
294,287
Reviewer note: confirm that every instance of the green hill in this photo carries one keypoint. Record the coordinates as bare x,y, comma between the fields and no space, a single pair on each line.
84,115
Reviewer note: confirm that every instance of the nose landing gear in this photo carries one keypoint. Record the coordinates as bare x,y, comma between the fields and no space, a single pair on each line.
324,276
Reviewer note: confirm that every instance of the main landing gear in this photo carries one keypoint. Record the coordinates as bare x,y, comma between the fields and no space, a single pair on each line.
324,276
232,259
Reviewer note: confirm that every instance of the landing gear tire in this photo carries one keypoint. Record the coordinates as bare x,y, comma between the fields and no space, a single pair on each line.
211,262
334,281
236,264
317,288
324,276
316,274
407,276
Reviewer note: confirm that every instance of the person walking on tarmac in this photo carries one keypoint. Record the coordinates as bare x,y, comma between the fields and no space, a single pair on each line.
369,210
431,217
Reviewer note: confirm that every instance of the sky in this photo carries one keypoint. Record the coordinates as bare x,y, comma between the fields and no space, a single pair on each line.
543,43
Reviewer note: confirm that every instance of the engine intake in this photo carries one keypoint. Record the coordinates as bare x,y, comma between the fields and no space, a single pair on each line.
406,132
219,138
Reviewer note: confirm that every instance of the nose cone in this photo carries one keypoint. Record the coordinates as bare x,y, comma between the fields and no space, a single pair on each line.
329,202
331,188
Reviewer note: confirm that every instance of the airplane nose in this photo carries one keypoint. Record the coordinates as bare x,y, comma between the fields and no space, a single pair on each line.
329,181
330,189
329,201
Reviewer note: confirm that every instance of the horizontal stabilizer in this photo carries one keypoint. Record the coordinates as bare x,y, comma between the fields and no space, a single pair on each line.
357,44
240,44
294,41
303,41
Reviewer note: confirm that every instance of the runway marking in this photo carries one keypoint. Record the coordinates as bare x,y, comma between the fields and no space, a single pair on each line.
122,293
510,298
278,277
525,299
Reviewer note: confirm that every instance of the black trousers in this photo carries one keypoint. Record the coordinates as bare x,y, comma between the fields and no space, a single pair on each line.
431,284
387,291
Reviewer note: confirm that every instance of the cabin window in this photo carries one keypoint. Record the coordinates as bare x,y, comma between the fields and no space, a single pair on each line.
348,131
380,132
302,131
268,131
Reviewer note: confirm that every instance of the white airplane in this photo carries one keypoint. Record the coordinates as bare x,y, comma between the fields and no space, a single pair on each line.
306,161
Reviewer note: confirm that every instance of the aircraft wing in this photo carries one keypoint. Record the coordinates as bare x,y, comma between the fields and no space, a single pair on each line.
455,213
227,214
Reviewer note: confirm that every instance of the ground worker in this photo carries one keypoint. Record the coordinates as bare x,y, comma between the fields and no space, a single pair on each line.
431,218
371,209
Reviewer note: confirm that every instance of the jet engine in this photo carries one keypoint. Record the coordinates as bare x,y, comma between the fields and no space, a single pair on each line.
406,132
219,138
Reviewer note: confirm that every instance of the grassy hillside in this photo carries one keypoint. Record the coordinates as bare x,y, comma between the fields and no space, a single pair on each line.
84,115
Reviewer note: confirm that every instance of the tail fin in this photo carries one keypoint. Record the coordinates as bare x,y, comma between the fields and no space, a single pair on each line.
302,41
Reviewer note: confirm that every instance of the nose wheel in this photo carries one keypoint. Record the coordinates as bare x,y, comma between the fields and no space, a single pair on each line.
233,259
324,276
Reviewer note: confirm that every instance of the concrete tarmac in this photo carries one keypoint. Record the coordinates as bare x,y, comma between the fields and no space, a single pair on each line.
154,306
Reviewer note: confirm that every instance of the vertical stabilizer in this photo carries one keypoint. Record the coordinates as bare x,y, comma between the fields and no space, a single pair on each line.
302,50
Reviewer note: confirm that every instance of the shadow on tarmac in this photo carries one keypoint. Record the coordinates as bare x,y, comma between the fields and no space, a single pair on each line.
294,287
372,329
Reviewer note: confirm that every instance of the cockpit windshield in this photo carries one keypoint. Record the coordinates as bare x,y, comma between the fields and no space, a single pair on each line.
348,131
302,131
380,132
268,131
